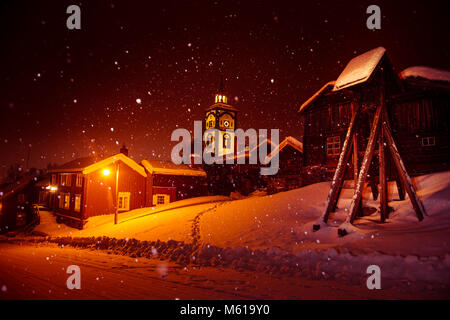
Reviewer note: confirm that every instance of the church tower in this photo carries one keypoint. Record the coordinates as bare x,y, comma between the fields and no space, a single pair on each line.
221,116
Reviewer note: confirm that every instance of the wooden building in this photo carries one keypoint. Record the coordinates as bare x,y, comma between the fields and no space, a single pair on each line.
167,182
246,177
417,101
88,187
16,203
289,175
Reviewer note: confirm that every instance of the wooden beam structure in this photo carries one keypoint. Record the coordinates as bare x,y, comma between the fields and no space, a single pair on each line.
338,178
365,165
381,134
401,170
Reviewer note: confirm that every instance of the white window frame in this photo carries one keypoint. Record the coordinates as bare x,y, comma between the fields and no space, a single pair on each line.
158,196
123,202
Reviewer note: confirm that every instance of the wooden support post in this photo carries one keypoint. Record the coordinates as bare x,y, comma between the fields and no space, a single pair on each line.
373,182
340,171
401,170
383,180
355,151
398,182
355,159
365,165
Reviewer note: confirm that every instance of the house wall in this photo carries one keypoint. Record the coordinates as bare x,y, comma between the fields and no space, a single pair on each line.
177,187
19,202
68,214
289,175
100,190
98,193
419,116
414,115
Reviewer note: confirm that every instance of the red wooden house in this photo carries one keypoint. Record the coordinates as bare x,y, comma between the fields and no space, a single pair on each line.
168,182
89,187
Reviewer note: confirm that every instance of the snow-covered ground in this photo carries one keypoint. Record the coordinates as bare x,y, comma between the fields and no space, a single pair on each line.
278,229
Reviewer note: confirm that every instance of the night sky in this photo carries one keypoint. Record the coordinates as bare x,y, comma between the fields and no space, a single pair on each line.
70,93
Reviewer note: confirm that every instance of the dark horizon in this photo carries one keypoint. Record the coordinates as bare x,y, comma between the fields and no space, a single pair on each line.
66,93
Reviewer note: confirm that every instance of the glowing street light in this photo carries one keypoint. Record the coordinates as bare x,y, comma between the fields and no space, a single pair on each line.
106,172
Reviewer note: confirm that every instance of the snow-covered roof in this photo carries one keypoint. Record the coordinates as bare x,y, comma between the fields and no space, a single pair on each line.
247,152
88,164
169,168
359,69
322,90
288,141
428,73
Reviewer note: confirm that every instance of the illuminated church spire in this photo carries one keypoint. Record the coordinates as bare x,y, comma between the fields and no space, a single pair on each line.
220,96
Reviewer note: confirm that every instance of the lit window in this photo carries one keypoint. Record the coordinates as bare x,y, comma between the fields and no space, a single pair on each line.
333,146
226,141
66,201
66,179
77,206
160,200
124,201
79,182
428,141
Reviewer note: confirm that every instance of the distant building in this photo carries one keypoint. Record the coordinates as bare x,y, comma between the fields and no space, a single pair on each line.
222,117
246,177
16,203
289,176
417,101
168,182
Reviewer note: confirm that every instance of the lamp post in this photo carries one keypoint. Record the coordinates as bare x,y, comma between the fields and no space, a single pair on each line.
106,172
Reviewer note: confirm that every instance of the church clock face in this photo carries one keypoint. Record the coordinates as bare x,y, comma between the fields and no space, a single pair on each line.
210,121
226,124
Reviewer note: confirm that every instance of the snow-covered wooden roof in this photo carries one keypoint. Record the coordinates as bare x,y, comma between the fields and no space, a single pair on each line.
328,86
169,168
427,73
88,164
288,141
359,69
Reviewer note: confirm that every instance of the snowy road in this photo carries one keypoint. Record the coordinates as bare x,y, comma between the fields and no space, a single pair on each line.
39,272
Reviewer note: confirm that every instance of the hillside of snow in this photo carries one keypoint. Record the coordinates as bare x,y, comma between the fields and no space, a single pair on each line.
285,220
274,234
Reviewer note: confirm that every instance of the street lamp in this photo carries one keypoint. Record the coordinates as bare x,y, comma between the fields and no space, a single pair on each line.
106,172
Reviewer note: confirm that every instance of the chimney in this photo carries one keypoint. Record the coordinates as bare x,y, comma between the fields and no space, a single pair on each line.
124,150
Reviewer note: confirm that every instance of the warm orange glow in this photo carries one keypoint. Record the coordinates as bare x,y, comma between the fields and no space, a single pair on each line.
106,172
53,188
